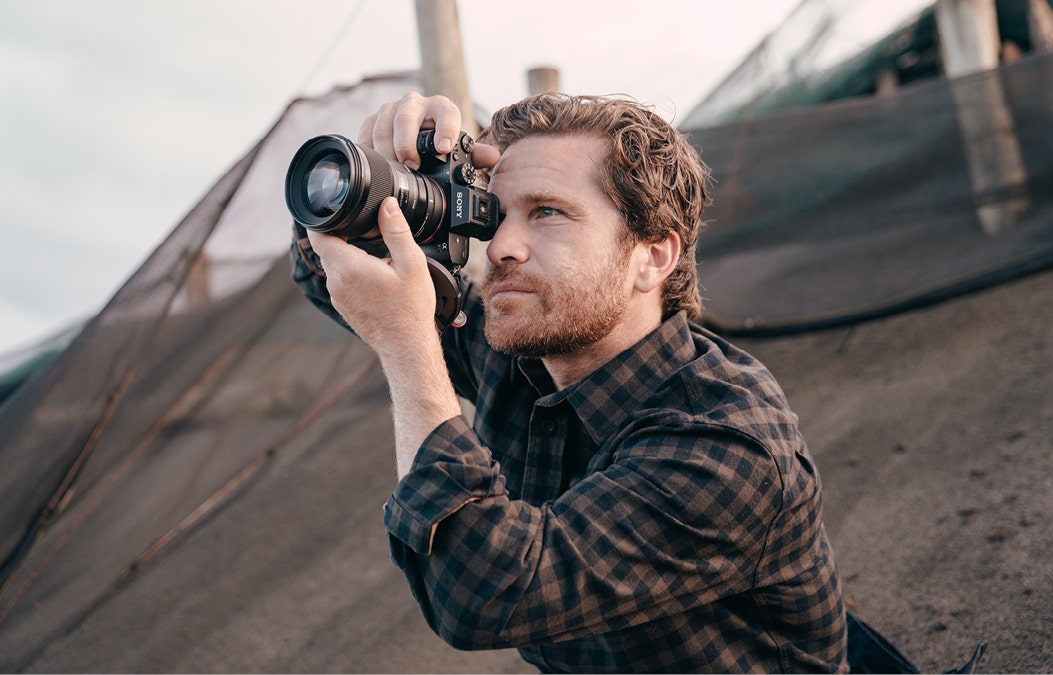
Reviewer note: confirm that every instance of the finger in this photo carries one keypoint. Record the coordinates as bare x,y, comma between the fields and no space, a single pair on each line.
335,253
325,245
396,233
485,156
415,112
320,242
380,135
441,114
392,130
365,132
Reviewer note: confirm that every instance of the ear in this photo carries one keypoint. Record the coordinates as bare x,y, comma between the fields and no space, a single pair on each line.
656,261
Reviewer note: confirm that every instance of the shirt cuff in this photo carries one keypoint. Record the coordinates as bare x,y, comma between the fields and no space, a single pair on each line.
450,470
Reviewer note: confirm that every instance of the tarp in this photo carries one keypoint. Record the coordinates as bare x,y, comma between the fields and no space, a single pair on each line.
195,484
205,387
860,208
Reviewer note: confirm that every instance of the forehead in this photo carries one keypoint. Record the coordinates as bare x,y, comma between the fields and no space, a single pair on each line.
559,164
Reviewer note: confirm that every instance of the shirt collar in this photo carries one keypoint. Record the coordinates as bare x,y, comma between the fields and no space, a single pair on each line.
605,400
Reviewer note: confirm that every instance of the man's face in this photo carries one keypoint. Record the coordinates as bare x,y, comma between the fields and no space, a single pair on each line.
557,280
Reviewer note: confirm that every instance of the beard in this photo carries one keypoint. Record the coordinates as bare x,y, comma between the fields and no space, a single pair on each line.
559,318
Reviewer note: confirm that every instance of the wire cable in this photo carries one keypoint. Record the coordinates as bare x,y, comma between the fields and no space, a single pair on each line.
331,47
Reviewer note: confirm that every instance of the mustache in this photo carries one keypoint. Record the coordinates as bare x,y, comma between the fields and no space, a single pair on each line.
505,275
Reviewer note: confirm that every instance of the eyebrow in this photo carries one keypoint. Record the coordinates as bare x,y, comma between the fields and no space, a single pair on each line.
543,197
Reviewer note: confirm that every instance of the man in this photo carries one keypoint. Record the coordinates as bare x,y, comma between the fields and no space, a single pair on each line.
633,493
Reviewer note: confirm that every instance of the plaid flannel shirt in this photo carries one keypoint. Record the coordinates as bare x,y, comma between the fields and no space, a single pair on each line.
663,514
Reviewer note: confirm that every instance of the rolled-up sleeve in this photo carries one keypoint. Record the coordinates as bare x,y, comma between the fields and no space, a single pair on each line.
451,469
492,572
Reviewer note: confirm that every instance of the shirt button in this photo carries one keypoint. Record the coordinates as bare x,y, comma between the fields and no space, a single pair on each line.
548,427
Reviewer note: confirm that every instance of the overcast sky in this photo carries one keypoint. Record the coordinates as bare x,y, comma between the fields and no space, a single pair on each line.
117,116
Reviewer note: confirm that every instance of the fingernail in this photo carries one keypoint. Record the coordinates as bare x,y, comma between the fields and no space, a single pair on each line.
444,145
391,206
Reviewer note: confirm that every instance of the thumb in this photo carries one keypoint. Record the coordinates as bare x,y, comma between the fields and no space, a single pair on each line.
396,231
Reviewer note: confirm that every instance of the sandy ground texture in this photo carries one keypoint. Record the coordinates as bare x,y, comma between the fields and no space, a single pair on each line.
933,431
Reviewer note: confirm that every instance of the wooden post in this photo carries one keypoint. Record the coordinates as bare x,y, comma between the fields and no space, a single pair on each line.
1040,26
442,57
198,284
887,82
542,80
442,65
968,35
969,43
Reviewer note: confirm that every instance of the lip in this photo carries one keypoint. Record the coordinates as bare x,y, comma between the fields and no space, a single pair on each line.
508,289
509,285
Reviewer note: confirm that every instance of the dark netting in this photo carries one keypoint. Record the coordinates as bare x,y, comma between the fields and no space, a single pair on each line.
53,423
178,393
828,215
196,484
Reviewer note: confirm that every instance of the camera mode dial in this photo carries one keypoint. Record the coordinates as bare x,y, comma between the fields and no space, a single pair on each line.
465,174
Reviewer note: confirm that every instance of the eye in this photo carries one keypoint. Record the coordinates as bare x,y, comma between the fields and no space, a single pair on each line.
547,212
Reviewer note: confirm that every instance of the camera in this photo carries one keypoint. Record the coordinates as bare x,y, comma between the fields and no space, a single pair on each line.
335,186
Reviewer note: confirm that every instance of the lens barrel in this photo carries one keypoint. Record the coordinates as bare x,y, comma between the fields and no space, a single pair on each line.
336,186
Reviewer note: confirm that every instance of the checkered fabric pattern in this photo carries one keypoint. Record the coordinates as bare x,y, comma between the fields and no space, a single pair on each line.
662,515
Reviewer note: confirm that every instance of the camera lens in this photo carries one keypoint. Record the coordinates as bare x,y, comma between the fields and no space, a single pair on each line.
326,184
336,186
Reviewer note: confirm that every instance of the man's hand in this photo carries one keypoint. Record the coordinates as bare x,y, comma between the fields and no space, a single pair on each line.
388,302
392,130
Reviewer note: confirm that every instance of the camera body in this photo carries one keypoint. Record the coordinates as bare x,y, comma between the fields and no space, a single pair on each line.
336,186
470,211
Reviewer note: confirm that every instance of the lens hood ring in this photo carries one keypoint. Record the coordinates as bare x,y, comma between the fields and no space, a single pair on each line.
306,159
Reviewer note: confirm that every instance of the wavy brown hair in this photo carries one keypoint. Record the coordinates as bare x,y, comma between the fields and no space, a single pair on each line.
655,178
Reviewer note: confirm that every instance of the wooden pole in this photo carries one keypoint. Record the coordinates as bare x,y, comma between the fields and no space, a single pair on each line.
442,57
442,66
542,80
969,43
198,285
1040,26
968,35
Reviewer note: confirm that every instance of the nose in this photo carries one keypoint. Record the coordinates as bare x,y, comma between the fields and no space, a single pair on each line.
509,243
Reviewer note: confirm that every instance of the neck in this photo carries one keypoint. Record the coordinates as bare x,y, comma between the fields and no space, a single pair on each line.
567,369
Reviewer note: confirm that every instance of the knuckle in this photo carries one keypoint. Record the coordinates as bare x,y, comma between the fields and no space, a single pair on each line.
407,116
384,116
414,97
365,131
